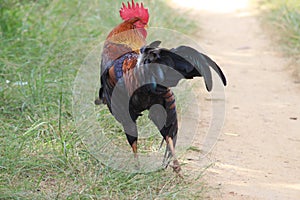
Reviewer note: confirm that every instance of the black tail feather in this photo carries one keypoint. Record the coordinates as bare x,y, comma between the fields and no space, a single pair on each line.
202,63
168,67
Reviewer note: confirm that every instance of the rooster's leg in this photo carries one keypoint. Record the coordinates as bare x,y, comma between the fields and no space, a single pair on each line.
132,140
134,149
176,166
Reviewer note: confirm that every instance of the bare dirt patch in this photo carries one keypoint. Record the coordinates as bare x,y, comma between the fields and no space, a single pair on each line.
258,153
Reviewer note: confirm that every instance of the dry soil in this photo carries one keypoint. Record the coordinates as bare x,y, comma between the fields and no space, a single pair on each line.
257,155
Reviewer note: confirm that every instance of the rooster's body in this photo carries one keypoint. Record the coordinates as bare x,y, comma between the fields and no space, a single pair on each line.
136,76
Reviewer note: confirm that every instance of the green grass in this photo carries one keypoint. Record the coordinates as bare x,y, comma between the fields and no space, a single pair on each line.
43,44
284,17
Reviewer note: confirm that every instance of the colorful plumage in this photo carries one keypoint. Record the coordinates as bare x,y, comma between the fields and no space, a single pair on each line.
136,76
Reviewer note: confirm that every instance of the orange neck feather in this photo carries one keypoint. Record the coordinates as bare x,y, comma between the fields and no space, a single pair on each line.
126,33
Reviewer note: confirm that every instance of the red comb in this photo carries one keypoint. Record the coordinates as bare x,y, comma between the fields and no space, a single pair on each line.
134,10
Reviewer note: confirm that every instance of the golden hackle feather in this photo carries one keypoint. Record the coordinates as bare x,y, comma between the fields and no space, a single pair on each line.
126,34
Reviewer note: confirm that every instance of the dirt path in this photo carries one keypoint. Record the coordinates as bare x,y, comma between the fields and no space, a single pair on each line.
258,153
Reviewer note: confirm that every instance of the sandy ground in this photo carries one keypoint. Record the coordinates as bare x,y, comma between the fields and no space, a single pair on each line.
258,153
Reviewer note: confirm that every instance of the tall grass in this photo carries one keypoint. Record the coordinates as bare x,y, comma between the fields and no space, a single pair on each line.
42,46
285,19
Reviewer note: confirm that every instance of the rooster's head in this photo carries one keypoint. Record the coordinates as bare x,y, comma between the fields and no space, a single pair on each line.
135,10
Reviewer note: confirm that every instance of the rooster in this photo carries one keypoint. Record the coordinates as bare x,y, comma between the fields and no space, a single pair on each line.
135,76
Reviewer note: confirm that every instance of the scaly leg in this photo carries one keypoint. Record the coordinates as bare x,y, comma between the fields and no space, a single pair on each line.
134,149
133,143
176,166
